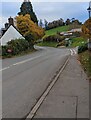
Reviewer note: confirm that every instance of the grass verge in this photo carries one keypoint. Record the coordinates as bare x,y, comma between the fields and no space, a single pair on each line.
78,41
85,59
48,44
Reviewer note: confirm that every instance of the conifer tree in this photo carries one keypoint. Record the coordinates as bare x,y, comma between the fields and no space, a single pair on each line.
26,8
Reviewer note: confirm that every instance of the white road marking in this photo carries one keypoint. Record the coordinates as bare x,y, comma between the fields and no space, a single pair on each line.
40,101
18,63
73,51
5,68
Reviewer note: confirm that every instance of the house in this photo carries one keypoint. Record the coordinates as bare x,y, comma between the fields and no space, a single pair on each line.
76,30
10,34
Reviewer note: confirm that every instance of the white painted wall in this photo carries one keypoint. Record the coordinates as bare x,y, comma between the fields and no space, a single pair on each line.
9,35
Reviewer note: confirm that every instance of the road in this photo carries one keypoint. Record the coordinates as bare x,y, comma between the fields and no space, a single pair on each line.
24,79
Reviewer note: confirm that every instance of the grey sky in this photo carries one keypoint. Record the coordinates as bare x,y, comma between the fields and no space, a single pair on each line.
48,10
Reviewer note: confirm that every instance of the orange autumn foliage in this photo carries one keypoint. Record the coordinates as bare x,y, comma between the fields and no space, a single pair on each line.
26,26
86,28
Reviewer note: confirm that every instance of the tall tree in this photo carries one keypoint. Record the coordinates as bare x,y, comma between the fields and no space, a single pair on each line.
31,31
26,8
46,24
40,23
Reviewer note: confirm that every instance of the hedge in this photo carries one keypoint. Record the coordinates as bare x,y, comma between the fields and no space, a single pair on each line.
53,38
15,47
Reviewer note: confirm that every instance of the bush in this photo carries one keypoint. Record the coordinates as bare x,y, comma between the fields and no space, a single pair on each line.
15,47
53,38
77,34
83,48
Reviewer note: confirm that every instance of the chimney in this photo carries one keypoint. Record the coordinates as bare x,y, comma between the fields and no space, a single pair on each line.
6,25
11,21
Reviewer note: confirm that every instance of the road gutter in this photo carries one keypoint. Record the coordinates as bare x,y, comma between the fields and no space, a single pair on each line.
46,92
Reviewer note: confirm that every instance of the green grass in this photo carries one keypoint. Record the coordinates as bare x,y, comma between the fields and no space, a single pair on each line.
78,41
55,30
48,44
85,59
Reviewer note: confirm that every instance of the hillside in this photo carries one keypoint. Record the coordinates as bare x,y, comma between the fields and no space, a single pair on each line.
55,30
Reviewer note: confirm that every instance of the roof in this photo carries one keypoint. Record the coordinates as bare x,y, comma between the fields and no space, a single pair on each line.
76,30
11,34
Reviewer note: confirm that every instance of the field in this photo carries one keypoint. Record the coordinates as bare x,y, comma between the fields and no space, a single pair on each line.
55,30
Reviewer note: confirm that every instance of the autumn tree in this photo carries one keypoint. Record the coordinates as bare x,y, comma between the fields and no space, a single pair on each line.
26,8
86,28
30,30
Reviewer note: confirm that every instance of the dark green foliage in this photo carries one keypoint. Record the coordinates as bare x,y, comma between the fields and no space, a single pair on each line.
68,22
77,34
26,8
46,24
54,24
16,46
53,38
83,48
30,40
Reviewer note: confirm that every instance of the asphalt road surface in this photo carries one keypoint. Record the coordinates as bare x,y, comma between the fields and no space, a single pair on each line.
25,78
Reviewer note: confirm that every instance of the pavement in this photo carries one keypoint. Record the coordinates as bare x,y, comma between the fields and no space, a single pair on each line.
69,98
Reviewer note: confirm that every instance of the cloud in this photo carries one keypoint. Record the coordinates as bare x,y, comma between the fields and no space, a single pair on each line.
56,10
46,0
48,10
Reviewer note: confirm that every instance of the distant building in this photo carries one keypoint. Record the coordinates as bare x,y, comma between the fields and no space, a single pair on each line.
10,34
76,30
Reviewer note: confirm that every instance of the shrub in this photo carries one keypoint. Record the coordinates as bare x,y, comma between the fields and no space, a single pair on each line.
83,48
15,47
53,38
77,34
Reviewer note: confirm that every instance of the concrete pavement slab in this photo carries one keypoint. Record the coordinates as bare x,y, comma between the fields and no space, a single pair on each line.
69,98
51,109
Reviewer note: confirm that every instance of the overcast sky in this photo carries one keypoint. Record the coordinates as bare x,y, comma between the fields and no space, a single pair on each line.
47,10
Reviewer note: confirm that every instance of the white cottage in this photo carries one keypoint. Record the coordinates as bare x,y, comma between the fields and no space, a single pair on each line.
10,34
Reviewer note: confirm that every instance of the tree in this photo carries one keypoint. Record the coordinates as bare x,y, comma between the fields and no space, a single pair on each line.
40,23
26,8
46,24
61,22
30,30
86,28
68,22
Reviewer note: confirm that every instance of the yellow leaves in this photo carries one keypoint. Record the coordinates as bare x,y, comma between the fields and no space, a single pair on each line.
26,26
86,28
